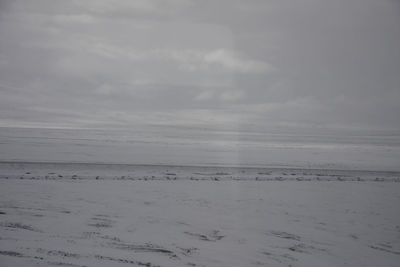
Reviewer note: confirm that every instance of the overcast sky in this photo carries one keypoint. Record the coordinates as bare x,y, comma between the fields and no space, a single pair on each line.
229,64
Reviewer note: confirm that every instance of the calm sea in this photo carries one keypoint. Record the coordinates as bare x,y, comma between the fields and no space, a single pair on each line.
197,146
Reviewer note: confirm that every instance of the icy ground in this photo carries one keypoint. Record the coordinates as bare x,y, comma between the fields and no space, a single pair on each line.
117,215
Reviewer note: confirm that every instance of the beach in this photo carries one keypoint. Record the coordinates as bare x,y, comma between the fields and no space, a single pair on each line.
183,133
144,215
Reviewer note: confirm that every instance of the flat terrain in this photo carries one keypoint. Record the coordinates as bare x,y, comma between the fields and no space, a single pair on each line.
72,215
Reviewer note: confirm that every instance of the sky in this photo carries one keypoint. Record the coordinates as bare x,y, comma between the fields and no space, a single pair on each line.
257,65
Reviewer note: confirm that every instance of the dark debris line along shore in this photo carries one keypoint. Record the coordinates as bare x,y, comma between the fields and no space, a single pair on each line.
202,177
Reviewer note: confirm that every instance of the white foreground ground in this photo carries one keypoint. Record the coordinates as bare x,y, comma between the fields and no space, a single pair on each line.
106,222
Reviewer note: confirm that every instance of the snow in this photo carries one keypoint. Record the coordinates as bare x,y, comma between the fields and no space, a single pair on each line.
142,215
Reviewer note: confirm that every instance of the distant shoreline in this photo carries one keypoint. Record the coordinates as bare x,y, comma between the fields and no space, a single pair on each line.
266,167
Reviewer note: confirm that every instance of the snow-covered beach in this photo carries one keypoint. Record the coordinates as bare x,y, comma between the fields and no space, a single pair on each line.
168,133
84,215
71,198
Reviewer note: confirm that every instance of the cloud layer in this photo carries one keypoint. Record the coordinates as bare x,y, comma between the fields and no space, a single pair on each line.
226,64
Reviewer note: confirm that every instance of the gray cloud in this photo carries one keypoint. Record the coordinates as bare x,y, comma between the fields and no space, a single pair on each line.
234,64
